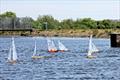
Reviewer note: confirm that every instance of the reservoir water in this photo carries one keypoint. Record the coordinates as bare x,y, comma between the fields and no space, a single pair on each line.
71,65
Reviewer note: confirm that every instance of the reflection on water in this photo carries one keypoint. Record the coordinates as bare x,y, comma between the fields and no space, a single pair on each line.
71,65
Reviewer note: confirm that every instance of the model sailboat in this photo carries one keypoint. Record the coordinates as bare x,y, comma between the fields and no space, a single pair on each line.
12,57
34,53
51,46
34,56
92,48
62,48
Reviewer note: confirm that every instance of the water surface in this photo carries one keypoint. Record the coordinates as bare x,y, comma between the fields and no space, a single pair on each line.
71,65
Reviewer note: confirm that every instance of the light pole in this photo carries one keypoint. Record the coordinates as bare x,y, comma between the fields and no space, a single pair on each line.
46,26
14,26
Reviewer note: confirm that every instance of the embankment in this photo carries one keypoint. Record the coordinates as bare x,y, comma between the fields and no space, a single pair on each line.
99,33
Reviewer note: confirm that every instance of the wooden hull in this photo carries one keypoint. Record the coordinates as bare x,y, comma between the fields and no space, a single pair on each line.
37,57
40,57
13,61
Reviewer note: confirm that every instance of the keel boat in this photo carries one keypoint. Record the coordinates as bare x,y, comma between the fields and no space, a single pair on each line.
51,46
92,48
12,57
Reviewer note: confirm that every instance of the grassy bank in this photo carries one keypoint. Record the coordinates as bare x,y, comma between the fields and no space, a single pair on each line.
102,33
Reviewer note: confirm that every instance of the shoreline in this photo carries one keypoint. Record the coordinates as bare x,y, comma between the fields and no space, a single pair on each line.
97,33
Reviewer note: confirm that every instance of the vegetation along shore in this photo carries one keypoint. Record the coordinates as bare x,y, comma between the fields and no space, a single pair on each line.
47,25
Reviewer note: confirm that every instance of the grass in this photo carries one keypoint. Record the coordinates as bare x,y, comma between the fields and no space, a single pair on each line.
102,33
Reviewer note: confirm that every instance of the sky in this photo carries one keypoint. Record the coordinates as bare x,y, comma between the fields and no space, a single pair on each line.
63,9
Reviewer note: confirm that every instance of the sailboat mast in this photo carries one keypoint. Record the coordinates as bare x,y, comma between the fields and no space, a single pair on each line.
14,49
34,49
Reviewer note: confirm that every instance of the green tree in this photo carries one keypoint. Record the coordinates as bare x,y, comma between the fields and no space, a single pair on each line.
37,25
100,25
117,24
107,23
86,23
8,14
51,22
67,24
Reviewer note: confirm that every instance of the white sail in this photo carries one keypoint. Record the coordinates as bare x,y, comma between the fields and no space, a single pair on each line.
14,50
10,55
92,47
61,46
51,45
35,49
34,56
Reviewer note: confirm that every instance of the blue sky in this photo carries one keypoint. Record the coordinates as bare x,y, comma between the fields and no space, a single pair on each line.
63,9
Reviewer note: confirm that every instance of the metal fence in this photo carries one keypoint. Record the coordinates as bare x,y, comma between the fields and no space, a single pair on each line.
15,23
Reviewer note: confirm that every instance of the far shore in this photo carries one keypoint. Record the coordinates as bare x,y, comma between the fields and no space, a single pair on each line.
98,33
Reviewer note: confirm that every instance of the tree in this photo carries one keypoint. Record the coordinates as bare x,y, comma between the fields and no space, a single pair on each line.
51,22
37,25
107,24
67,24
117,24
8,14
100,25
86,23
9,19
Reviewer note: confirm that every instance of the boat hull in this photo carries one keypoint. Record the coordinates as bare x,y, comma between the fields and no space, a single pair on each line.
12,61
90,57
37,57
52,51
